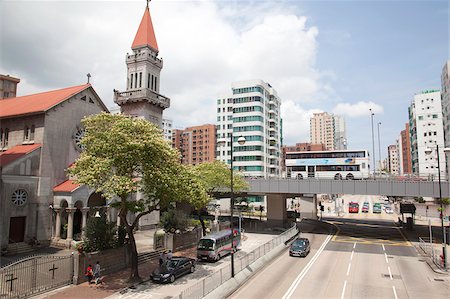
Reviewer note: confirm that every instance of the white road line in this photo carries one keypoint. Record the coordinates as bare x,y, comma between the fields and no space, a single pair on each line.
343,289
354,245
351,257
395,292
385,257
383,247
305,270
390,274
348,269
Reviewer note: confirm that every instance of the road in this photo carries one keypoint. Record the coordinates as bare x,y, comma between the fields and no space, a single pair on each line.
363,259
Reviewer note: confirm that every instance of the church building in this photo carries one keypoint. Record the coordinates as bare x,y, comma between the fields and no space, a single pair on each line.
40,138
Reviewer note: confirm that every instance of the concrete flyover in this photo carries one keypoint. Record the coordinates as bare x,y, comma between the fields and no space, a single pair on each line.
293,187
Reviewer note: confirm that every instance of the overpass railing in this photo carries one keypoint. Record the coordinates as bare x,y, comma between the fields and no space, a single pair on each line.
214,280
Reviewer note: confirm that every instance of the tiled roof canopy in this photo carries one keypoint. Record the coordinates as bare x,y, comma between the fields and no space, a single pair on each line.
66,186
16,152
37,103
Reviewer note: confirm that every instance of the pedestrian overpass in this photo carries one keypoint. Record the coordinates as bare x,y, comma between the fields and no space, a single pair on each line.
278,190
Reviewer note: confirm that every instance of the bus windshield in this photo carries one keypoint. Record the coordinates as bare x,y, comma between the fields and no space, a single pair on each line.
205,244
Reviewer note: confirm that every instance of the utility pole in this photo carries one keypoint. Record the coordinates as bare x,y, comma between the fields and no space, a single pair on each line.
379,145
373,143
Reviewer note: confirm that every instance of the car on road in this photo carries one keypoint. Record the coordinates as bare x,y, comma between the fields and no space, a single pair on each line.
171,269
353,207
365,207
300,247
388,210
376,208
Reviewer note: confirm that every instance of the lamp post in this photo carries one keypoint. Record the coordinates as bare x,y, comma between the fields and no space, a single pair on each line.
379,146
444,249
373,142
241,141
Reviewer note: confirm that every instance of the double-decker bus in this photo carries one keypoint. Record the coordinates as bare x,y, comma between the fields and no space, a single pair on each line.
213,246
338,165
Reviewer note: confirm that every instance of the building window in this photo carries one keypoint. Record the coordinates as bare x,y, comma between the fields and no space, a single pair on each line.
19,197
135,80
140,79
4,137
26,133
148,81
131,84
156,83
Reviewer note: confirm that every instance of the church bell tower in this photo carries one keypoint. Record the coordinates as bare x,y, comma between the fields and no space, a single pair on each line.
142,98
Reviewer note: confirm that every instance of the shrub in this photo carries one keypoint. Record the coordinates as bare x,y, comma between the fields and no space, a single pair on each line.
173,220
102,234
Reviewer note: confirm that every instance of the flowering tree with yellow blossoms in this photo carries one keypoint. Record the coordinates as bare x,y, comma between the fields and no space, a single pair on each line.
122,156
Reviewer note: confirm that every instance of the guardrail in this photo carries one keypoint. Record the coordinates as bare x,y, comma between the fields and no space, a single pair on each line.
214,280
428,248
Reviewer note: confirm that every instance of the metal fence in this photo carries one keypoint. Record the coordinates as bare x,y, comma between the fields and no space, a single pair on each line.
214,280
428,248
34,275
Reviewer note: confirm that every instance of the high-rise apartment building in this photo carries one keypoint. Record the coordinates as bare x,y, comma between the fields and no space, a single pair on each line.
8,86
167,129
445,100
404,151
328,129
252,110
196,144
393,166
426,131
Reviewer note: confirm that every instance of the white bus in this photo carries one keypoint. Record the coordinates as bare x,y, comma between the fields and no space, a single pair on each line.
338,165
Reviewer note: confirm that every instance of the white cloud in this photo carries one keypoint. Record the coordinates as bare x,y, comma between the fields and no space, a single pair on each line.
359,109
296,122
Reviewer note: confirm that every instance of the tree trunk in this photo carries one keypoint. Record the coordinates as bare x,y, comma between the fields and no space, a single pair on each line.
134,274
202,222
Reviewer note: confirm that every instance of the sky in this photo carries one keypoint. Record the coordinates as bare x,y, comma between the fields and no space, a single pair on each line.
341,57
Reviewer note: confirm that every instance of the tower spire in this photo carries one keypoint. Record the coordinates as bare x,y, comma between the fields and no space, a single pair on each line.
145,35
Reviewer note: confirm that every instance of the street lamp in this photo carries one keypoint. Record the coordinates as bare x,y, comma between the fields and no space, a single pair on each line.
428,151
241,141
379,146
373,142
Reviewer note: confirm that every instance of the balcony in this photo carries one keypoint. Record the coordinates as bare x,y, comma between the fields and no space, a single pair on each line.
143,94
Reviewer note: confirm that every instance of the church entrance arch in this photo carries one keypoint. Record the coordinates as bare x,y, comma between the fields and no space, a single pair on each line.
77,221
96,202
64,219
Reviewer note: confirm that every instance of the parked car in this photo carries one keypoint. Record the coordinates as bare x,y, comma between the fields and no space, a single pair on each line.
300,247
173,268
388,210
365,208
353,207
376,208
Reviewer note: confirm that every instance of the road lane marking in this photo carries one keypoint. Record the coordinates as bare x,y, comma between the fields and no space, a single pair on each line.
390,274
354,245
382,245
305,270
343,289
348,269
351,257
385,257
395,292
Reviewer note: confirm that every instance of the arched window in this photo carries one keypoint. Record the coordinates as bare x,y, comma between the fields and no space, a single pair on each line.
26,133
32,133
5,137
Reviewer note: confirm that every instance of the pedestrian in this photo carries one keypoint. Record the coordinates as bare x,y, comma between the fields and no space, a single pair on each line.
97,270
162,258
89,274
169,255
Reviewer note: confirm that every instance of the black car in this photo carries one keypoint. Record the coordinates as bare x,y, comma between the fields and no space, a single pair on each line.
173,268
300,247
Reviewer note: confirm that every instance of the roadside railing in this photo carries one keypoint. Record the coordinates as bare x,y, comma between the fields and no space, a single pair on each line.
427,247
214,280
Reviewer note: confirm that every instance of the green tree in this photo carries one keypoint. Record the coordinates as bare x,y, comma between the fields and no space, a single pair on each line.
215,177
100,234
123,156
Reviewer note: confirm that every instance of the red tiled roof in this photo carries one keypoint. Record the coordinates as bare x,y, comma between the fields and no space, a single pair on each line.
39,102
145,35
66,186
16,152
